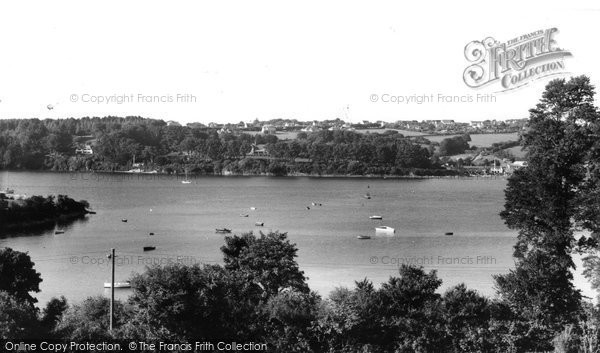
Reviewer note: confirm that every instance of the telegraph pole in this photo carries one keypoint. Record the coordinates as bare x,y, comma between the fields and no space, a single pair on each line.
112,289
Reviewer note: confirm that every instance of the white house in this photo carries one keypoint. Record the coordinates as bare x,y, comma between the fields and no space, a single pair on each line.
87,149
269,129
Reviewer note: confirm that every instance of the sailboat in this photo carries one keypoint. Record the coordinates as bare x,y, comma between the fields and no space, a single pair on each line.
186,181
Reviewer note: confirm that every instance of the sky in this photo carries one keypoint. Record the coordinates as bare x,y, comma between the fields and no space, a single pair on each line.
231,61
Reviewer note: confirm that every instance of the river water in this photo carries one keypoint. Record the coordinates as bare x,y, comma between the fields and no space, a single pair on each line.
323,216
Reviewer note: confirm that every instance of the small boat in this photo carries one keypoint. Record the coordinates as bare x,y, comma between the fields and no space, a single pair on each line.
367,196
124,220
223,230
186,181
385,230
375,217
150,233
363,237
243,215
118,285
314,203
59,231
448,233
259,224
253,208
149,248
91,212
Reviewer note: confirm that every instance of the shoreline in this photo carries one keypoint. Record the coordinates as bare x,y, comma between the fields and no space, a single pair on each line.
45,223
176,176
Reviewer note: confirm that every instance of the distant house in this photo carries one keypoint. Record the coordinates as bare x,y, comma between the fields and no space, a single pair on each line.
311,128
477,123
269,129
87,149
173,123
518,164
448,122
257,151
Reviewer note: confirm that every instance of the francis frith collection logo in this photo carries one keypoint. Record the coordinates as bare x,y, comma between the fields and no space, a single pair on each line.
514,63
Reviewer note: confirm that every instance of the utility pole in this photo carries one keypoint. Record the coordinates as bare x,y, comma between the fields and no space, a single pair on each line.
112,289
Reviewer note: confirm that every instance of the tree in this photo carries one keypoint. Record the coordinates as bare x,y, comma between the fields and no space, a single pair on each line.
542,204
268,261
467,316
179,302
17,275
53,313
18,319
454,145
89,321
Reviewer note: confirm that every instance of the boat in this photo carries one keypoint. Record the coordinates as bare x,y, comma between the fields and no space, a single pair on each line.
448,233
59,231
91,212
385,230
118,285
151,233
243,215
253,208
363,237
186,181
149,248
367,196
8,191
223,230
124,220
259,224
375,217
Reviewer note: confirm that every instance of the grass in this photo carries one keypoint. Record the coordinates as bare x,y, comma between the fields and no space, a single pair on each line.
481,140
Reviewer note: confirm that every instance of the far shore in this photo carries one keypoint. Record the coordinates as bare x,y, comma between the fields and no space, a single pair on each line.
179,176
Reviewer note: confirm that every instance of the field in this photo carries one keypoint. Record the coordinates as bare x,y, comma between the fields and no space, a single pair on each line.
282,135
481,140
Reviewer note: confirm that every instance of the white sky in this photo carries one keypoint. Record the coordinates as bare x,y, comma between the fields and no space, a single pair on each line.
271,59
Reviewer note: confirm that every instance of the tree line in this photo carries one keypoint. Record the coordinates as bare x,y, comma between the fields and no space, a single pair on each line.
117,142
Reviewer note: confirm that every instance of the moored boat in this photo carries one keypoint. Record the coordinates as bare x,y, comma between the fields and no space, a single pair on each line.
385,230
448,233
59,231
117,285
149,248
363,237
223,230
259,224
376,217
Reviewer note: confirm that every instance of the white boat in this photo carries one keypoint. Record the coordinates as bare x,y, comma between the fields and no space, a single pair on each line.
118,285
376,217
384,230
363,237
186,181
